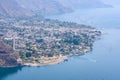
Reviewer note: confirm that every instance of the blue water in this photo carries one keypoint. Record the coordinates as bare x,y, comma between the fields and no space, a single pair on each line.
99,17
100,64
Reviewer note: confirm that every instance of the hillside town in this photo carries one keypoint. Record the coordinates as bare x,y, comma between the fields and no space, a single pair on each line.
45,41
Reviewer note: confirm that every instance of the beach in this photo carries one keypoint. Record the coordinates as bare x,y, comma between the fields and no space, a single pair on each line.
47,61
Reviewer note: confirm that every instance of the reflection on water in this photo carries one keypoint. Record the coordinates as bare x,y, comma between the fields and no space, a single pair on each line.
88,59
4,72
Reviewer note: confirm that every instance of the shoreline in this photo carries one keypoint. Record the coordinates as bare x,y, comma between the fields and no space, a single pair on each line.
49,61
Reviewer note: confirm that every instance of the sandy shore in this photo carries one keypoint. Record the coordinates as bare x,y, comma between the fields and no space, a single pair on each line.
48,61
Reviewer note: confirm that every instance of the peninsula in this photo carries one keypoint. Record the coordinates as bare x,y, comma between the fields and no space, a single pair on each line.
36,41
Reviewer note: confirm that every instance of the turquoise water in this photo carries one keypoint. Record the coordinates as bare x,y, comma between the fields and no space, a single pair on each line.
100,64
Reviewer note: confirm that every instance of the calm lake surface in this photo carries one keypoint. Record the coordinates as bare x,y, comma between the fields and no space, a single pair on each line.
100,64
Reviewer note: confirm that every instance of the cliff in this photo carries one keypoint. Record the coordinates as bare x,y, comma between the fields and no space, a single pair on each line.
8,57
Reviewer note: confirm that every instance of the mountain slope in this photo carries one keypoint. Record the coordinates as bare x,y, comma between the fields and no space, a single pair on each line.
12,8
30,7
44,6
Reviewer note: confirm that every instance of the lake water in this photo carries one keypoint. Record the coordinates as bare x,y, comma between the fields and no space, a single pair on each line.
100,64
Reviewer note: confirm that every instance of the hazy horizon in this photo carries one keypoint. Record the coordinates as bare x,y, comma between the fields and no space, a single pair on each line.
112,2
